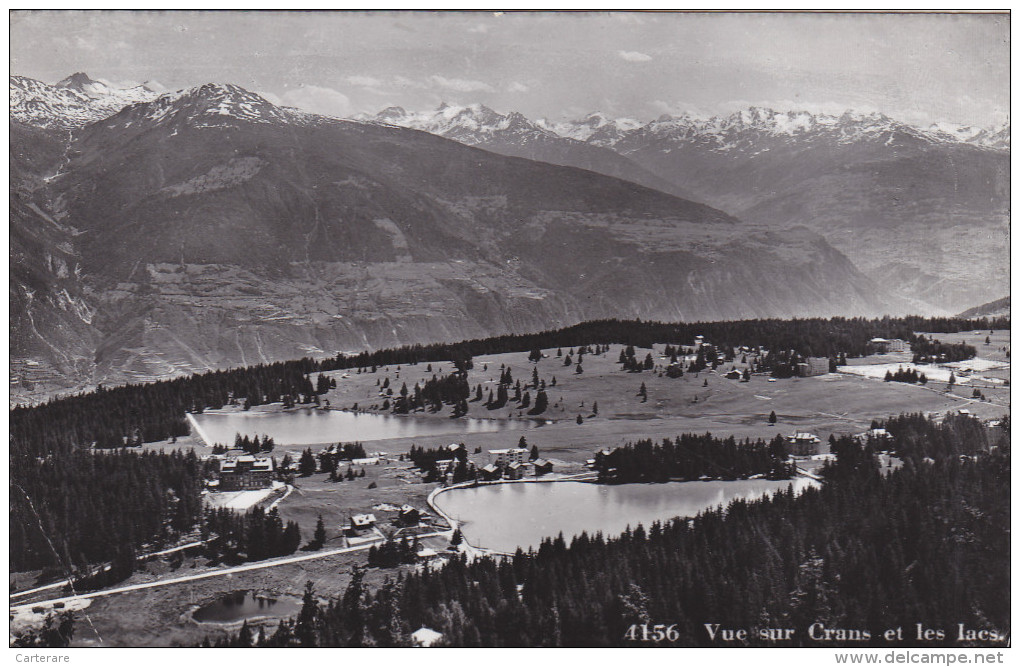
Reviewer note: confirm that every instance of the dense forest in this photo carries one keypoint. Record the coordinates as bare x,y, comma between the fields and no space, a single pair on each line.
133,414
690,457
255,535
394,552
89,507
71,513
867,551
915,437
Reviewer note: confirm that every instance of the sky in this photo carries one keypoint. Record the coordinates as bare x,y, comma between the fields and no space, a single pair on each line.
919,68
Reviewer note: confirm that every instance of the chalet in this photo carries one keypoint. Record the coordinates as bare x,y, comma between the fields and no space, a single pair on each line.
245,473
887,345
733,375
802,444
542,467
490,472
502,458
361,522
878,434
514,470
409,516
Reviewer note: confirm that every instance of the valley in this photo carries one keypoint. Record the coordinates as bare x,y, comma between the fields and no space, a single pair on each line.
358,235
501,329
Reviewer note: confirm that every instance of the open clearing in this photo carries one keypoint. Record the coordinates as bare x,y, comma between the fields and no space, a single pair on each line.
242,500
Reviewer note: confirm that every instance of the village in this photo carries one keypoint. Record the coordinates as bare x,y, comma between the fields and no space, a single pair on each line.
551,449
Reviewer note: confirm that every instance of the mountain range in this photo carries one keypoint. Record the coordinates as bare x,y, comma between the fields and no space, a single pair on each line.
209,227
923,210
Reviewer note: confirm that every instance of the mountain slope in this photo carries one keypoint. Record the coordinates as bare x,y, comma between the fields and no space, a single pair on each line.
217,229
922,212
52,338
997,308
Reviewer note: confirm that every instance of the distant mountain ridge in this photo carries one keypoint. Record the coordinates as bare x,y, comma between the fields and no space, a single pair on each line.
513,134
895,198
998,308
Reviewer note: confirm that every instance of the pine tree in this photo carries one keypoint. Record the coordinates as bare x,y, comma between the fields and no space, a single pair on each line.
772,417
319,537
304,627
307,466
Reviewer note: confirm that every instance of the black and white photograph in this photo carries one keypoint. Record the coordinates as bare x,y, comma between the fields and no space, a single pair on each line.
509,329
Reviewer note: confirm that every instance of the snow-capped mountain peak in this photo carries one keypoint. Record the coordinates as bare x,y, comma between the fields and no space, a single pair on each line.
74,102
757,128
103,90
472,124
207,105
596,128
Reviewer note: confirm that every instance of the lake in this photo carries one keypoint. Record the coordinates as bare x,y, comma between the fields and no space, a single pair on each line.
502,517
316,427
241,605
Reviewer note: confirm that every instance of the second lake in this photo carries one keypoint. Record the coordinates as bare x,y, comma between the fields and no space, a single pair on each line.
502,517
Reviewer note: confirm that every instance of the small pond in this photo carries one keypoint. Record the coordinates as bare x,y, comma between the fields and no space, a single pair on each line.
241,605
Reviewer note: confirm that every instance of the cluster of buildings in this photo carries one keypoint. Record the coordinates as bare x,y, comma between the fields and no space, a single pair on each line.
513,464
358,524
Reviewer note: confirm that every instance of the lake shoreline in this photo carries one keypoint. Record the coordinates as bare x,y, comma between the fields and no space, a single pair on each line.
389,426
584,478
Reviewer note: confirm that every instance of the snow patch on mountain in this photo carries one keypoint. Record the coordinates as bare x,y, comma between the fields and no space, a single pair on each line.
74,102
595,128
474,124
735,132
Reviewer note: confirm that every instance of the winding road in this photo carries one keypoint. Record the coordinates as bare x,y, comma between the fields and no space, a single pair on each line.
206,575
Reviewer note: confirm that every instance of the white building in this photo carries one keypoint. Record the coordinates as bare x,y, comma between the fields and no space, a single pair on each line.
803,444
885,345
504,457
